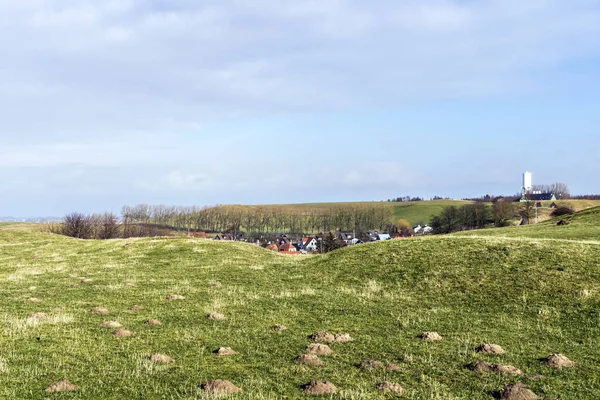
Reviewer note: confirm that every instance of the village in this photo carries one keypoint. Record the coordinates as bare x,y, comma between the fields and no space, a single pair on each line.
286,244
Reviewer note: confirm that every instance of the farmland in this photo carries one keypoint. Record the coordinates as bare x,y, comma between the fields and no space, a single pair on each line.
532,297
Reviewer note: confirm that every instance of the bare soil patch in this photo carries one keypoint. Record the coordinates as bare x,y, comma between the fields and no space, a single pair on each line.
122,333
62,386
489,348
316,388
390,387
87,280
100,310
485,367
75,285
137,308
279,327
371,365
111,324
220,387
161,358
431,336
312,360
319,349
37,317
216,284
34,300
130,284
153,322
175,297
517,391
225,351
559,361
326,337
393,367
215,316
536,377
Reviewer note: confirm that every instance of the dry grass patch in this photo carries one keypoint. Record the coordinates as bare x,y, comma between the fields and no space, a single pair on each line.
111,324
136,308
100,311
62,386
161,358
34,300
173,297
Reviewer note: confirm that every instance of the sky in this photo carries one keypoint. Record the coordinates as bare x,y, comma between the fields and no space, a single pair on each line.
188,102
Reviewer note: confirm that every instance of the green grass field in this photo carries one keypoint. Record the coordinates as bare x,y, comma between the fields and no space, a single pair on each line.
533,297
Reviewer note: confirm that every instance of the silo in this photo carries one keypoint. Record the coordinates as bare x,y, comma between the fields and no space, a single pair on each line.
527,181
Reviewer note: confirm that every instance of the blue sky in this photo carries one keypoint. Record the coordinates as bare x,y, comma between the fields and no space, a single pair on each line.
116,102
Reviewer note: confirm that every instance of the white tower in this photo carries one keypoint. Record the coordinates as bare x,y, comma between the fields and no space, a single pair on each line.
527,182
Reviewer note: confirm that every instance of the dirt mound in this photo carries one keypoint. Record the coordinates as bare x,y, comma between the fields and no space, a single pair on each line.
75,285
518,391
390,387
62,386
37,317
225,351
279,327
100,310
220,387
393,367
130,284
488,348
485,367
153,322
310,359
111,324
87,280
216,284
175,297
536,377
326,337
215,316
319,387
319,349
161,358
122,333
431,336
559,361
137,308
34,300
371,365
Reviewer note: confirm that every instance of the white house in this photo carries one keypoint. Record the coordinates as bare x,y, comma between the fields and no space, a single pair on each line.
310,244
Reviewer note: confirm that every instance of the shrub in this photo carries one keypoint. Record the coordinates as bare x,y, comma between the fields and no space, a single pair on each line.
562,210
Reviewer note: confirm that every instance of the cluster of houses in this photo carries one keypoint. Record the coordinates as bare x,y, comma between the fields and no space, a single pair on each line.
284,244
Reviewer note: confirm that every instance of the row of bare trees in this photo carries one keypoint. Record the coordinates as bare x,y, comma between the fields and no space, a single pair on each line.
153,220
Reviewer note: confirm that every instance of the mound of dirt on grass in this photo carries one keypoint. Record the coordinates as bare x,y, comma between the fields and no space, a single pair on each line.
34,300
225,351
393,367
37,317
215,316
390,387
371,365
111,324
62,386
536,377
87,280
559,361
431,336
489,348
326,337
310,359
319,349
220,387
216,284
153,322
485,367
122,333
161,358
75,285
175,297
279,327
517,391
130,284
100,310
137,308
316,388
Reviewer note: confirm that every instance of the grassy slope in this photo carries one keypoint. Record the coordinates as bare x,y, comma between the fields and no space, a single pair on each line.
524,295
583,225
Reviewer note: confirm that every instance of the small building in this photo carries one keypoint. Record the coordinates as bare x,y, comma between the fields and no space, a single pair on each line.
272,247
310,243
383,236
288,248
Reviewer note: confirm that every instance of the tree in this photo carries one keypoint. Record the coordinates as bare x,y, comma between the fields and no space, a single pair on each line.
503,211
330,243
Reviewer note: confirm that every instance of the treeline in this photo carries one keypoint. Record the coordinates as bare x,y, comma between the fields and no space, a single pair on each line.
475,216
586,197
159,220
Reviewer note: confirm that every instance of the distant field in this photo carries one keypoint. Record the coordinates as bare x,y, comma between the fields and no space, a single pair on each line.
584,225
532,297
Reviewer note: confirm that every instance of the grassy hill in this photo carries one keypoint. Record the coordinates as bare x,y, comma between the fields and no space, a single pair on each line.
531,297
583,225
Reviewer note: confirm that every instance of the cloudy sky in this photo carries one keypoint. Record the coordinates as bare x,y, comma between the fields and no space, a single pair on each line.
113,102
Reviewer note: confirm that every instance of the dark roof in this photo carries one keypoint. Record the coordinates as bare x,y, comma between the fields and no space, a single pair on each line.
541,196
